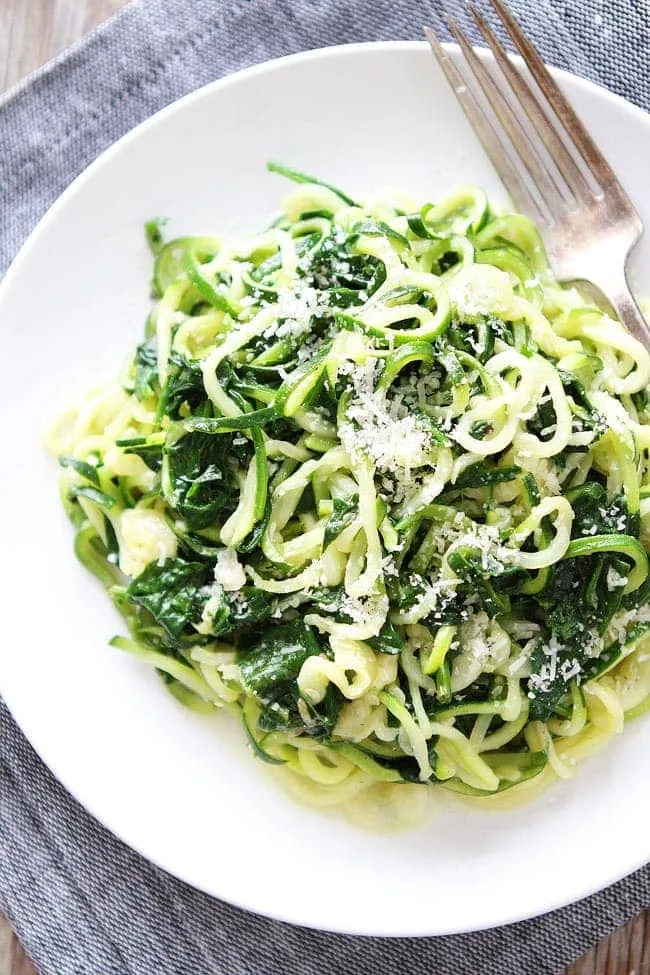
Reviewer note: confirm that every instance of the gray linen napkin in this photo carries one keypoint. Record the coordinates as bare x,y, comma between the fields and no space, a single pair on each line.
81,902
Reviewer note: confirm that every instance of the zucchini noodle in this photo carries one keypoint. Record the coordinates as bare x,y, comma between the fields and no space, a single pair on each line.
376,483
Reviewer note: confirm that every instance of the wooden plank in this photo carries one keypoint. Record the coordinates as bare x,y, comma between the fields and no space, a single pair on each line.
33,31
627,952
30,33
6,946
13,960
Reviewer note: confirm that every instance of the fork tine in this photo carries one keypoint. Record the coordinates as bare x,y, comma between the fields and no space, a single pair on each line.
575,179
515,131
574,128
515,185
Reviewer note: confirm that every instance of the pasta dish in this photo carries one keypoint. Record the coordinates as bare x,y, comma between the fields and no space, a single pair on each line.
377,483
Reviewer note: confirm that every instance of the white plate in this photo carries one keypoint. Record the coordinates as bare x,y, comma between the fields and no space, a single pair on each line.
183,790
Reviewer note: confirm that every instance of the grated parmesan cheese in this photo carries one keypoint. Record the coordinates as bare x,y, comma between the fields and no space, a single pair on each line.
395,441
623,621
435,597
228,572
366,610
548,671
296,311
485,538
614,579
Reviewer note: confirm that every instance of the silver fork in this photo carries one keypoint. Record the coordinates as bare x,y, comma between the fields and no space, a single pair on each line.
589,225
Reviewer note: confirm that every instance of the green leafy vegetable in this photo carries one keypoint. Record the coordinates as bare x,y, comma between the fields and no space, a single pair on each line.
269,671
145,369
198,481
174,593
153,233
281,497
82,467
343,514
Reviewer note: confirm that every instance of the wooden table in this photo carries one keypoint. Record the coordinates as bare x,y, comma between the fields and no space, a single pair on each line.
31,31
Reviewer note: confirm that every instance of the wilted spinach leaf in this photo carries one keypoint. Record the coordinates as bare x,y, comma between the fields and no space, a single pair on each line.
251,605
199,482
405,590
174,592
269,671
149,449
335,266
595,514
387,640
145,369
482,574
343,514
481,475
241,610
82,467
184,385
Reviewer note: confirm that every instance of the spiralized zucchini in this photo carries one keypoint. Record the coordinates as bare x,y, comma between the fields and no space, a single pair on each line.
375,482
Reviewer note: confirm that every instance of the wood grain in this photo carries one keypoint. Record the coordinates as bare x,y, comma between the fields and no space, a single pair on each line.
31,31
13,960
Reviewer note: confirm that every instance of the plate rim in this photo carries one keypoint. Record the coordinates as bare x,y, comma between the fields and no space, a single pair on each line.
262,67
621,105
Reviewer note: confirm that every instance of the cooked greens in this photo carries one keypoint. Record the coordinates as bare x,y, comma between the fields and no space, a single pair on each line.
374,481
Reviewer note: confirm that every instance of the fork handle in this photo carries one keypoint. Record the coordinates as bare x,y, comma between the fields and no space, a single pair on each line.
625,306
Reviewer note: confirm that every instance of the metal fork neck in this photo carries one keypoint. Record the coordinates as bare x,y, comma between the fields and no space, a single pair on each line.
614,288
